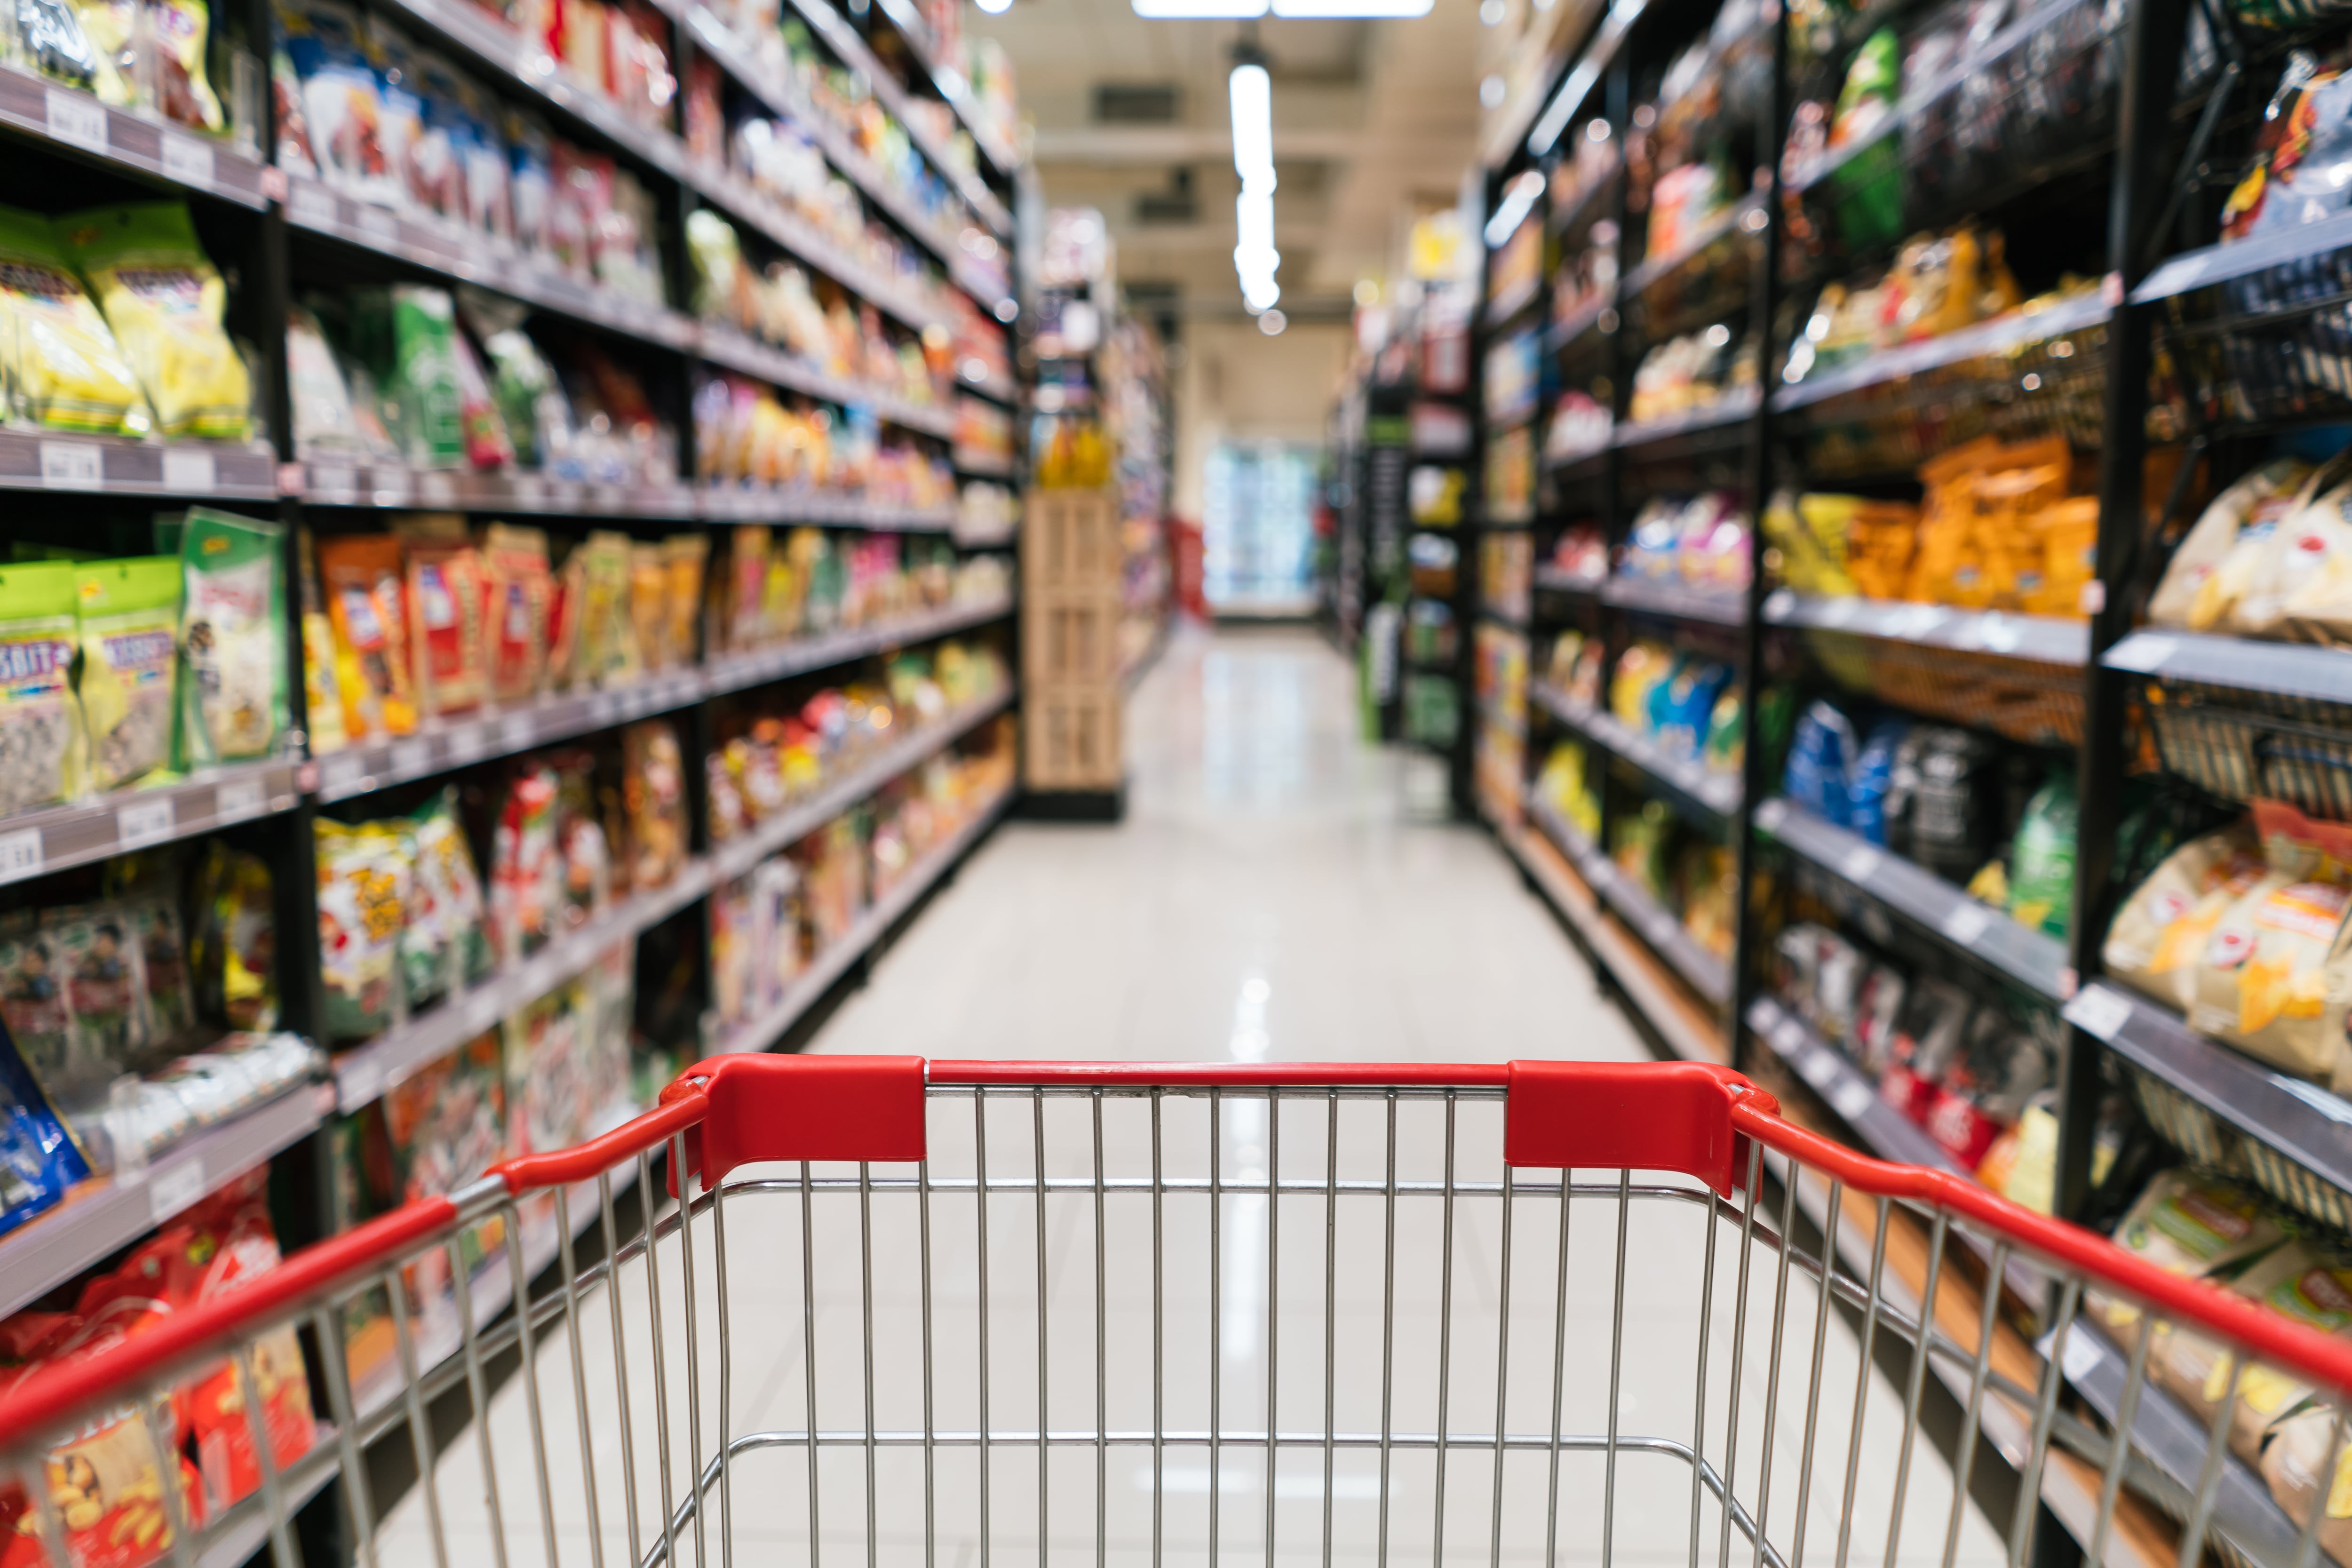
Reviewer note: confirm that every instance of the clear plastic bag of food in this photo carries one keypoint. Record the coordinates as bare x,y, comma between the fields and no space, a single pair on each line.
165,302
363,902
129,625
232,638
41,744
59,362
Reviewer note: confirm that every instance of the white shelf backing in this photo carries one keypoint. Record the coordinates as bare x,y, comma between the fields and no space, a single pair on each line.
66,117
2046,640
364,1071
761,1033
35,843
2032,958
738,856
115,465
107,1216
1708,976
1637,976
1713,793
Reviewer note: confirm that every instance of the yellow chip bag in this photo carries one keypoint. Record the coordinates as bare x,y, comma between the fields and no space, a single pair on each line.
165,301
59,362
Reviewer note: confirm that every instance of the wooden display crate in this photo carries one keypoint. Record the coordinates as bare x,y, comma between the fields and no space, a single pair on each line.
1070,635
1071,737
1070,539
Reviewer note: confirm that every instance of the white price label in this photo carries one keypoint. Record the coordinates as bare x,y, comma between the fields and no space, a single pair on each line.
2098,1011
604,708
313,206
77,119
1819,1068
145,822
412,756
20,854
72,465
2081,1357
239,799
1778,603
1963,923
174,1188
189,471
188,161
1859,862
2145,653
437,487
342,773
516,729
1837,611
483,1009
1770,815
360,1083
1850,1098
379,227
468,741
330,480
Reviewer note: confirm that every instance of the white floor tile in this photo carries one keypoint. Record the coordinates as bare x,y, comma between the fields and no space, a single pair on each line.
1276,892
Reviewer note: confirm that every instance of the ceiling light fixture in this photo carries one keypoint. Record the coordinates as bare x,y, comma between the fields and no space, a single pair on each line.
1250,92
994,8
1198,10
1351,10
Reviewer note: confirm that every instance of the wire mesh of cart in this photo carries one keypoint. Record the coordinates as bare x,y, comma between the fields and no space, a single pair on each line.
971,1314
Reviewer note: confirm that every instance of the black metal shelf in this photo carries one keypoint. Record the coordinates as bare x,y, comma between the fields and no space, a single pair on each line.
2287,670
1747,214
1696,789
68,120
56,838
1983,340
1686,427
1704,972
1715,607
1564,332
2032,958
1883,1129
2044,639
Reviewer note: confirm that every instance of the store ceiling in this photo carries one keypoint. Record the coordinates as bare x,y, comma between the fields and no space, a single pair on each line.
1374,122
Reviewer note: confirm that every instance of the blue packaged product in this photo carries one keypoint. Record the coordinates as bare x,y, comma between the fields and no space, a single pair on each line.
39,1162
1819,758
1658,704
1867,782
1691,705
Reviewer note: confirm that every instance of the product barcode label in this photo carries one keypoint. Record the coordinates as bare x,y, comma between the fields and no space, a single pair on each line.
239,799
174,1188
72,465
145,822
2098,1011
77,119
189,471
20,854
1965,922
188,161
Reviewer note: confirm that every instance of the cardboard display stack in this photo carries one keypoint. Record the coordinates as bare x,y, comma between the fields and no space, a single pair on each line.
1072,755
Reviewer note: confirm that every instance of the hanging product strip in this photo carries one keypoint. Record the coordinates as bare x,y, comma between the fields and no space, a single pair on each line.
402,842
2042,845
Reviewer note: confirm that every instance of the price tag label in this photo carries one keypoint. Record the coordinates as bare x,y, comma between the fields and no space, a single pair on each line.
1838,612
188,161
1965,922
174,1188
313,206
1819,1068
77,119
2081,1357
189,471
72,465
379,227
145,822
239,799
330,480
359,1083
467,741
412,756
2099,1012
1859,862
1851,1098
20,854
1770,815
342,773
483,1009
516,729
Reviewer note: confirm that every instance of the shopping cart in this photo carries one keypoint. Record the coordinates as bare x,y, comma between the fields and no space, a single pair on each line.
968,1312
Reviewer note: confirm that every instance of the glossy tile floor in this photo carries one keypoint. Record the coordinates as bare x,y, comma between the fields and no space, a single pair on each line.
1279,890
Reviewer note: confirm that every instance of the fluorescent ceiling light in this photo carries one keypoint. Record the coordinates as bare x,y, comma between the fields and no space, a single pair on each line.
1518,198
1251,92
1337,9
1198,10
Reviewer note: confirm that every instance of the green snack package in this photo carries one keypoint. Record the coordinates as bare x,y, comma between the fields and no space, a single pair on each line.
1867,189
130,615
165,303
40,720
2042,874
232,638
424,361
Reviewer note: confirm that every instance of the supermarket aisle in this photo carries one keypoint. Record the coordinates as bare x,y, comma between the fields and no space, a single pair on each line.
1276,890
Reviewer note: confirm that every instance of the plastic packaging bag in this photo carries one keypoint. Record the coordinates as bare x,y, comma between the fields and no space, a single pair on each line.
446,945
232,943
364,903
59,362
518,589
654,796
367,608
2275,976
41,748
2163,925
2042,875
129,624
445,603
232,638
342,104
40,1157
165,301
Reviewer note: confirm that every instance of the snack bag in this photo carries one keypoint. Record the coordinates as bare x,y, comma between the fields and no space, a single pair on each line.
39,1160
178,32
2163,927
2303,1281
2187,1224
2042,873
445,605
340,99
649,604
363,901
2258,500
2274,978
164,302
654,798
517,589
683,558
229,1243
2296,174
59,363
129,624
367,608
525,866
233,943
452,941
232,646
41,751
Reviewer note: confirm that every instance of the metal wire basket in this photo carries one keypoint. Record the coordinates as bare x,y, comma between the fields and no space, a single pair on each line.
2243,744
2273,345
2037,703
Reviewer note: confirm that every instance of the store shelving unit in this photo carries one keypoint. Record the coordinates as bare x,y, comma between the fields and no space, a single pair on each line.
2216,719
280,237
